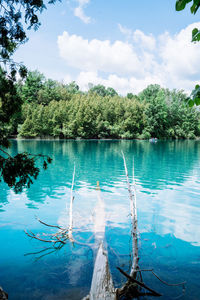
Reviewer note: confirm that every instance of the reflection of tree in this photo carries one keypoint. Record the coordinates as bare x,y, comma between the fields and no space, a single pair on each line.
165,163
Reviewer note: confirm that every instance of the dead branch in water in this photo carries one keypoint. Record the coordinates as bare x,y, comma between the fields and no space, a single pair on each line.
133,208
54,226
63,234
154,293
166,283
127,289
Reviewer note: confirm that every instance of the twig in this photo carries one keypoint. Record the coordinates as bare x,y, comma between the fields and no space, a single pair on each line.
32,235
144,270
38,252
139,283
169,284
5,152
55,226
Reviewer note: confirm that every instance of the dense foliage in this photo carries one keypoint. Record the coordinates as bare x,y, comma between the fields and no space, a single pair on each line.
180,5
16,17
52,109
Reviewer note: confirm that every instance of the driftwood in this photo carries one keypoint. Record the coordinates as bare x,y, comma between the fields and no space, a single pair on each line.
102,286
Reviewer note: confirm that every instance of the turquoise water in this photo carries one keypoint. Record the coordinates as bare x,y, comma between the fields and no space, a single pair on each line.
168,199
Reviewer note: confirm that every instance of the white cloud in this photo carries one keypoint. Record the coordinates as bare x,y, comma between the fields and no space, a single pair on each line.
79,11
120,84
145,41
129,66
124,30
138,37
180,57
96,55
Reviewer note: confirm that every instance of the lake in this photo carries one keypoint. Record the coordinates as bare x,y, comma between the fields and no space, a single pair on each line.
168,201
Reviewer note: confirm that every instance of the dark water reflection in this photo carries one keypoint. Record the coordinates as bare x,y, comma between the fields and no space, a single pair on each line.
168,192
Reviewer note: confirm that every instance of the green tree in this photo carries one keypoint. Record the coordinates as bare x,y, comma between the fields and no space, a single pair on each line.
20,170
130,95
34,82
156,114
150,92
17,16
180,5
182,120
102,91
98,89
73,87
111,92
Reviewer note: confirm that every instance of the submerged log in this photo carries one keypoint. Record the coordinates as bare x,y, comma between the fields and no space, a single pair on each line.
102,286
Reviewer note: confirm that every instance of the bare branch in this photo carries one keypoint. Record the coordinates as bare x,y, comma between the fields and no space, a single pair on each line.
139,283
55,226
166,283
5,152
32,235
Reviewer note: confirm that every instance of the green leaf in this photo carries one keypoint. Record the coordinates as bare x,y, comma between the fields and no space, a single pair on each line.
180,4
192,8
197,87
195,35
191,103
197,101
196,4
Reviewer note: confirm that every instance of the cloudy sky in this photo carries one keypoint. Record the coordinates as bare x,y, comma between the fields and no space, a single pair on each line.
125,44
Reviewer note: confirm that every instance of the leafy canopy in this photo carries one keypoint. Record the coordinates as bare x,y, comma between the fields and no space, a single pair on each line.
180,5
16,17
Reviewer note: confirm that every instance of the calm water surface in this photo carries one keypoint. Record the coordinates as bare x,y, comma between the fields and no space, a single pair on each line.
168,194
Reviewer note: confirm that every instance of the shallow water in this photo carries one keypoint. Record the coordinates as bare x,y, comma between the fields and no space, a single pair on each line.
168,199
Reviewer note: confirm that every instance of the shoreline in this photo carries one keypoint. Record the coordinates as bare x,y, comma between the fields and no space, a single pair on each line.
96,139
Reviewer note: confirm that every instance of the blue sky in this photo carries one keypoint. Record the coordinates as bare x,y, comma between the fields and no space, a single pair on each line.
124,44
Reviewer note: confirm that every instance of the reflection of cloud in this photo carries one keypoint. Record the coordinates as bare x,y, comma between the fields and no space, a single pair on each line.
173,211
167,188
181,219
74,267
90,214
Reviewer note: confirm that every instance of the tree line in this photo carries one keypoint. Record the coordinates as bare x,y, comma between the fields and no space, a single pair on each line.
57,110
